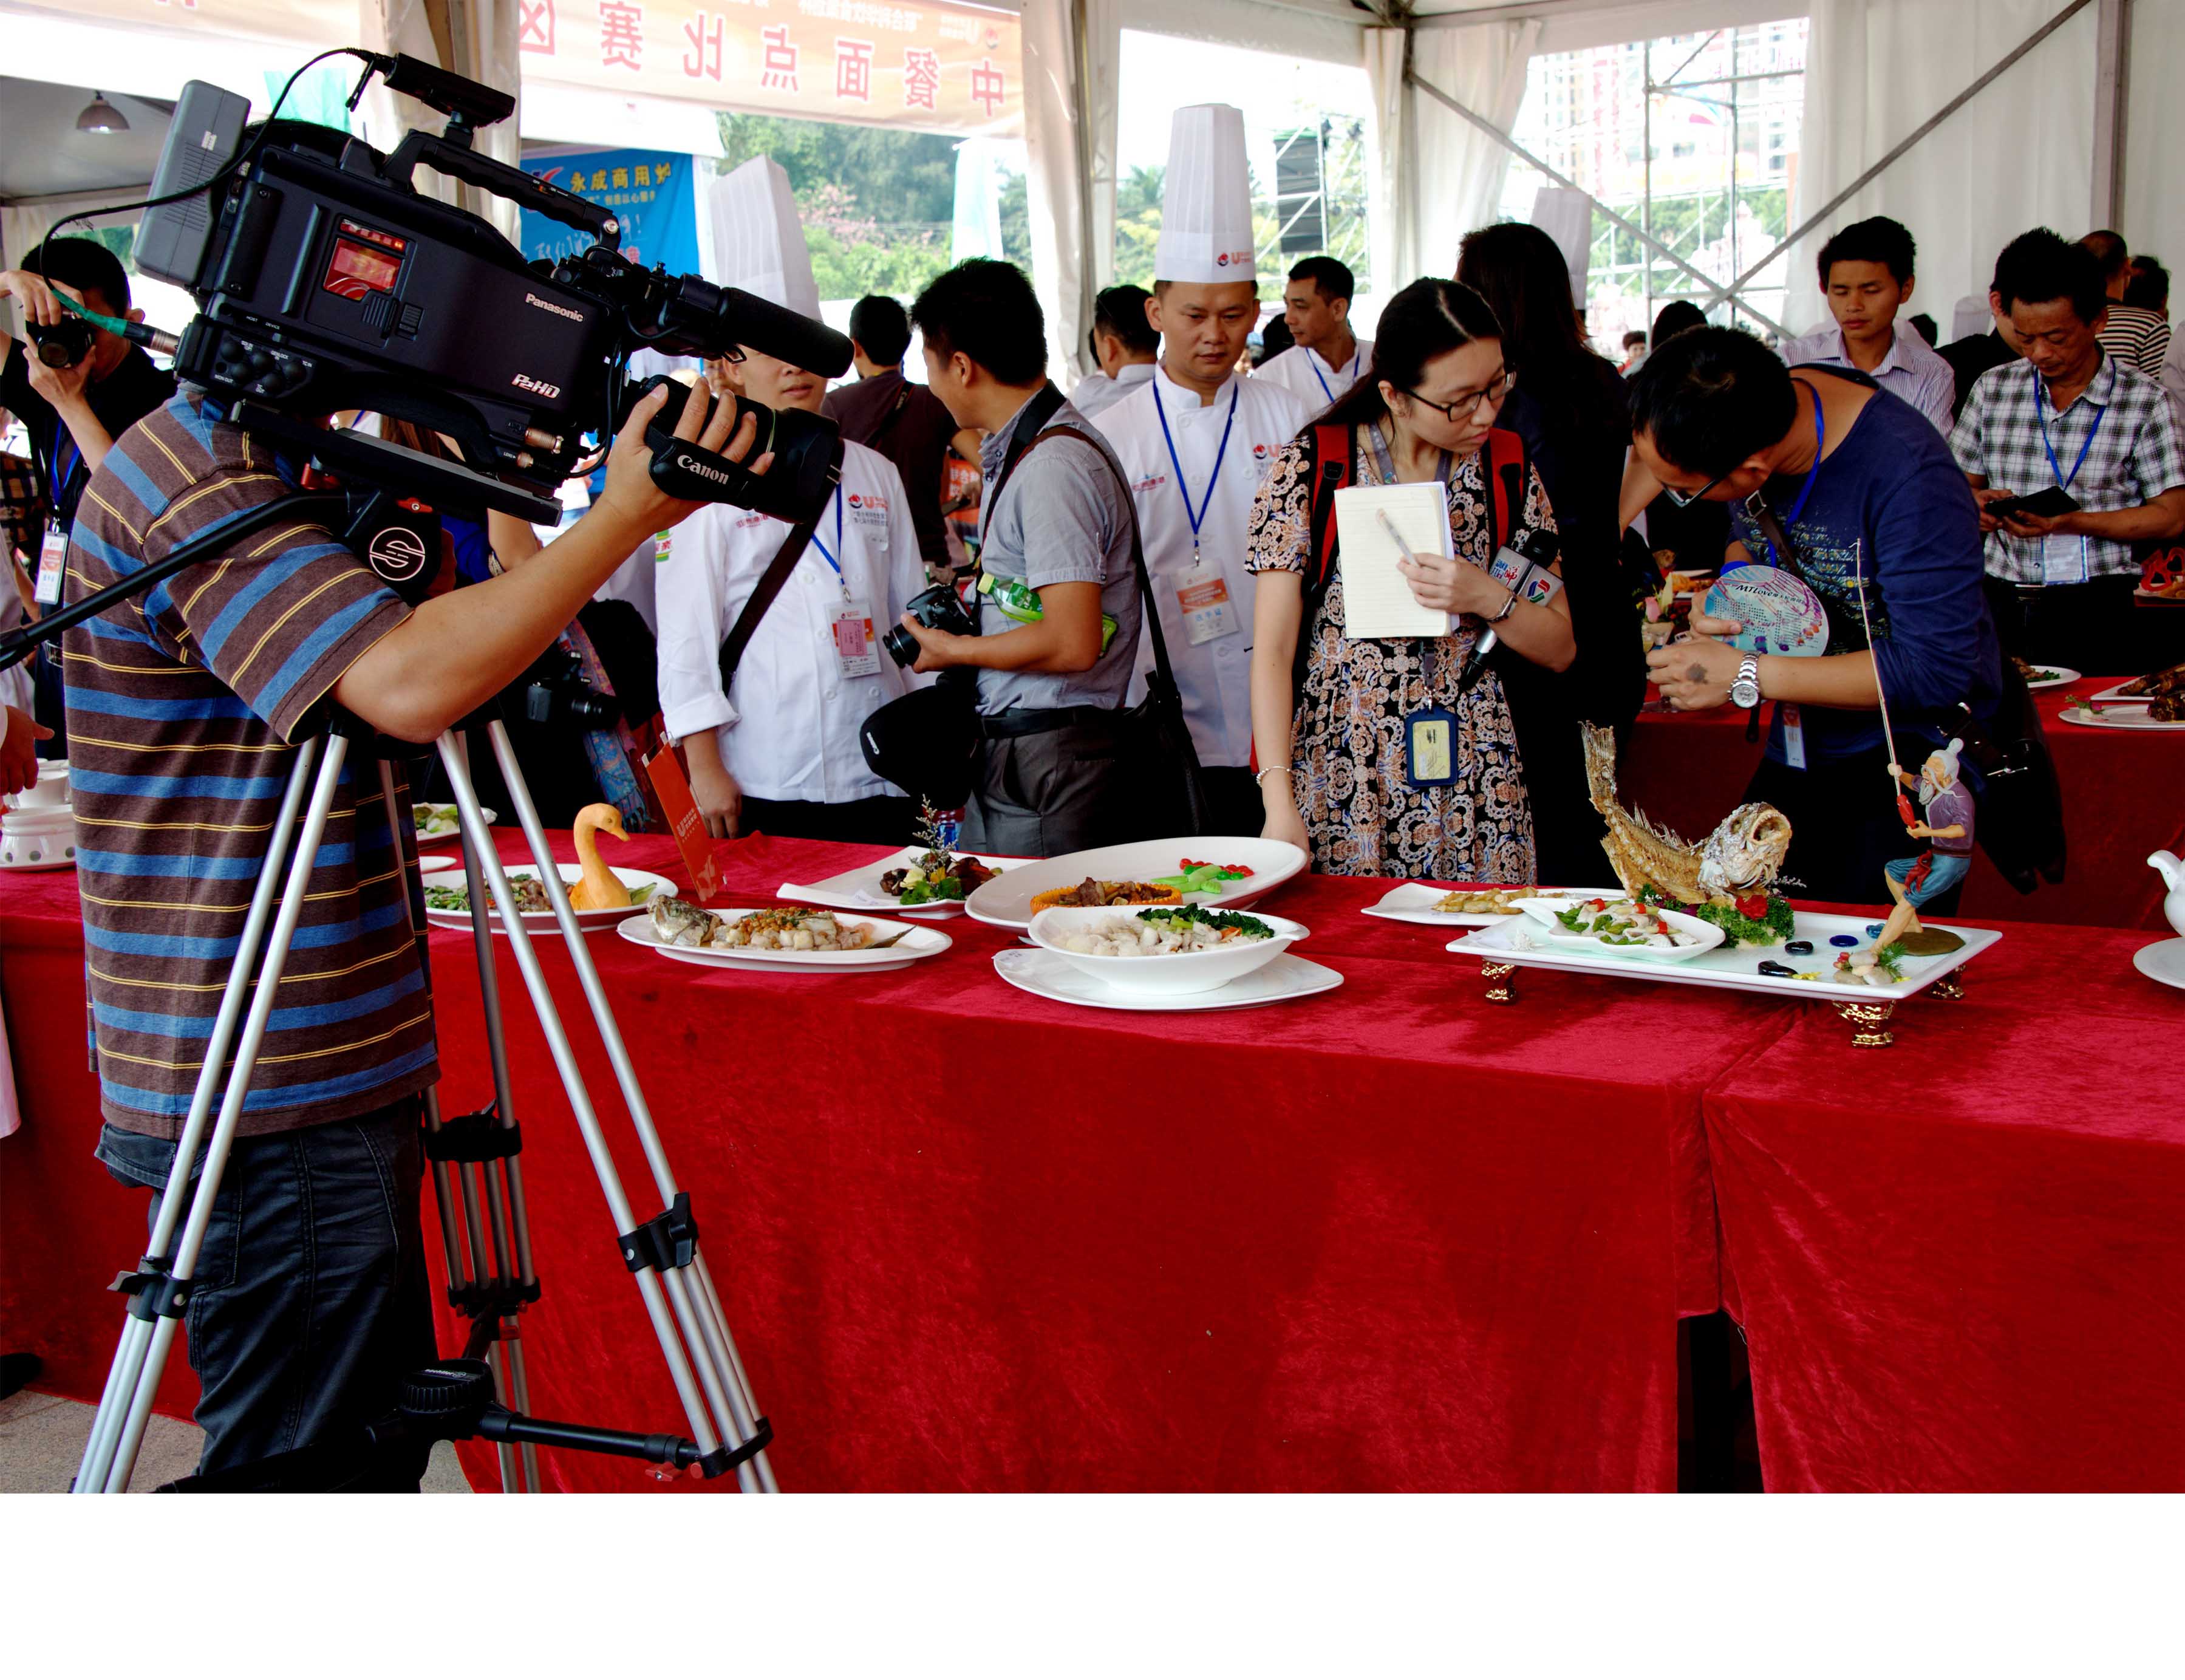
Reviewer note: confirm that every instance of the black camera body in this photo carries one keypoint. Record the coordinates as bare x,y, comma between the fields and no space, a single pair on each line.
938,608
325,281
554,692
63,344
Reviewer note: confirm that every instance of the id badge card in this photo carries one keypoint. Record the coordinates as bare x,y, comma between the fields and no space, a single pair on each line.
1430,747
1794,735
53,561
1539,588
2063,559
1209,614
856,653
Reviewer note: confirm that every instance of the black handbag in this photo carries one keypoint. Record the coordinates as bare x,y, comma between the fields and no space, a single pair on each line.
2020,802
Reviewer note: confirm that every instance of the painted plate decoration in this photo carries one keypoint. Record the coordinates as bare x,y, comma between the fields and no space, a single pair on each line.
1780,614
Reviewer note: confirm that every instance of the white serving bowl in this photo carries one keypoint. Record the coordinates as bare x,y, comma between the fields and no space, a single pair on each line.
50,789
1172,975
38,837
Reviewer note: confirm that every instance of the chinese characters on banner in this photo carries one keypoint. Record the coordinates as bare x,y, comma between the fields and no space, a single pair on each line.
932,64
650,193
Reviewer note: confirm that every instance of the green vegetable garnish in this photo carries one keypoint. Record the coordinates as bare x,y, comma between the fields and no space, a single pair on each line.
1178,917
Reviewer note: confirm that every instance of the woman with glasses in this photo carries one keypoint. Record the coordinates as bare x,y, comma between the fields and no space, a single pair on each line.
1571,410
1339,759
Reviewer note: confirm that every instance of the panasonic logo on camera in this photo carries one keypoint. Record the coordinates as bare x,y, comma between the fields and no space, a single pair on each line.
702,470
567,314
524,382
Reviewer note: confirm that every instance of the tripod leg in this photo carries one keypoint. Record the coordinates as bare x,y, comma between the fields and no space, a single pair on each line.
135,1340
231,1109
572,1082
697,1305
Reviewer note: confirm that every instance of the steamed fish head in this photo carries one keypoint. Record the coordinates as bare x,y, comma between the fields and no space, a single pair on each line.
679,922
1745,851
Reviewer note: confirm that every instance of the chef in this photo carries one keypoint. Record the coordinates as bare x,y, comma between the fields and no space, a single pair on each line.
1196,440
778,753
1326,358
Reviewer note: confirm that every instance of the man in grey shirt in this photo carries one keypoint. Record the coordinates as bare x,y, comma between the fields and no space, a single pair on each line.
1059,620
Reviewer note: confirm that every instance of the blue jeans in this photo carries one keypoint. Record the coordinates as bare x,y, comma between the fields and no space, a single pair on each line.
312,1300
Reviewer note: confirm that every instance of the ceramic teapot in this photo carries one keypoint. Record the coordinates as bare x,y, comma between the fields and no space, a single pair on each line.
2173,877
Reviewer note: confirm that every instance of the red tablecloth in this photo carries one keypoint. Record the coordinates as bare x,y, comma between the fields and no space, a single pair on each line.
2124,796
1961,1263
1396,1237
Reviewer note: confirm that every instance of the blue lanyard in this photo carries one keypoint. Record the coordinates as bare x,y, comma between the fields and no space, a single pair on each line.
1312,362
66,458
1197,517
823,553
1820,443
2101,413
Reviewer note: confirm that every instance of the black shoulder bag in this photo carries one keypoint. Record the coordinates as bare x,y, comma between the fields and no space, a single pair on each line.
769,585
2022,804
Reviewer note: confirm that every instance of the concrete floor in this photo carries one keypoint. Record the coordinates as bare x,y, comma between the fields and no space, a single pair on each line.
41,1440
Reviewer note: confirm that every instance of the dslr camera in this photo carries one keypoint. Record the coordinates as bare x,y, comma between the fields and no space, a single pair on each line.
938,609
63,344
325,281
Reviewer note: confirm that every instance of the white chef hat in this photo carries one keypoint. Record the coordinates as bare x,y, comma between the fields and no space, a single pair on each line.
1206,200
759,242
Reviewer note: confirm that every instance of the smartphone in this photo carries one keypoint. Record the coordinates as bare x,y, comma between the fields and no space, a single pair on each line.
2051,503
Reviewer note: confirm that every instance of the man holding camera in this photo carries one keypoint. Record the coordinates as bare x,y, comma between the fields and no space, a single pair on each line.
311,1299
1057,527
773,746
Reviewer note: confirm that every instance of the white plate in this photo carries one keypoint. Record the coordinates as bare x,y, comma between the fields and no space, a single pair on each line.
450,828
860,890
2125,714
1414,901
1736,968
1007,902
429,863
2145,594
1171,976
2164,962
1045,975
922,942
2116,692
2065,676
536,922
1543,912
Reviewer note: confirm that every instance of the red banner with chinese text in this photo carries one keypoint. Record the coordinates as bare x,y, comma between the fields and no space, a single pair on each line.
956,68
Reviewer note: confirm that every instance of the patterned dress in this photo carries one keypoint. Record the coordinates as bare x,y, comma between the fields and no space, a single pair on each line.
1361,815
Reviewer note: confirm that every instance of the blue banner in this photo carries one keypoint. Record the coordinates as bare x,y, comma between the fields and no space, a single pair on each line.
653,192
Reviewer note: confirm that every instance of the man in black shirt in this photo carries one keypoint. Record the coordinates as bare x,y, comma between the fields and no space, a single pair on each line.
75,413
1976,352
903,422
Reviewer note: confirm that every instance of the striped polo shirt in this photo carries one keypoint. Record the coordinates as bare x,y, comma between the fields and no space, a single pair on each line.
182,703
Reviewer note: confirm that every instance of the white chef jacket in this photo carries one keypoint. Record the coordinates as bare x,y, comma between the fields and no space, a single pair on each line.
789,730
1105,391
1214,676
1313,376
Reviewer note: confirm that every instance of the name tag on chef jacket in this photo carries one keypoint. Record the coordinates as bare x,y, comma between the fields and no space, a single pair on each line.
52,561
1202,595
856,653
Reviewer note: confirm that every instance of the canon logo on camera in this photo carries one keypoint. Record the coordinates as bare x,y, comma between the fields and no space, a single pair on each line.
702,470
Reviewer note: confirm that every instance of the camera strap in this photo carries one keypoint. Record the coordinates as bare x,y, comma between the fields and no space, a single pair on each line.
770,584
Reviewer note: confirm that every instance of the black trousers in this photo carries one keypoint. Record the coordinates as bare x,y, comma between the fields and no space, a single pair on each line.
312,1300
2089,627
1844,827
1059,791
884,821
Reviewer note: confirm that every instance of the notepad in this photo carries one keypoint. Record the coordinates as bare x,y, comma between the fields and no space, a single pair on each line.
1378,602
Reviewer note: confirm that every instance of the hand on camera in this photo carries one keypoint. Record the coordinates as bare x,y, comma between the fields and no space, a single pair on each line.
18,758
33,297
631,495
934,647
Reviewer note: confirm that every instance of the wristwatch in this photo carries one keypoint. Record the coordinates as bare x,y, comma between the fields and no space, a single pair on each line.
1746,690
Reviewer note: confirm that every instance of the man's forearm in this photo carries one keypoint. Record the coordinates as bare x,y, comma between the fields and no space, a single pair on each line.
2153,520
1845,680
459,650
91,437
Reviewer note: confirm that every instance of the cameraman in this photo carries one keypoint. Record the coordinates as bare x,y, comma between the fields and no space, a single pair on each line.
311,1298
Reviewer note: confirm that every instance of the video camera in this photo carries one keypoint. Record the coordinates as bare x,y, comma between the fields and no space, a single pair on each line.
327,281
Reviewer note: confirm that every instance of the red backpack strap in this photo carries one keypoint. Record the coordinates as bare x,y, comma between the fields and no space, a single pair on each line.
1328,463
1508,471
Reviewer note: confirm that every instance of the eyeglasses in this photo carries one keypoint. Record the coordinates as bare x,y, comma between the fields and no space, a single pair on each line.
1491,393
1685,498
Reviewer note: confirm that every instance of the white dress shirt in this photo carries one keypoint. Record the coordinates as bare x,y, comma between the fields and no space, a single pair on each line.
1105,390
1313,376
1911,370
789,730
1216,675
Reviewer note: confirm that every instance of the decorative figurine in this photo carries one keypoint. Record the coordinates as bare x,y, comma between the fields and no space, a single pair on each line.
1946,822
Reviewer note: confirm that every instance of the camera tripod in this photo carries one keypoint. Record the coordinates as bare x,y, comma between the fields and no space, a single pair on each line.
477,1179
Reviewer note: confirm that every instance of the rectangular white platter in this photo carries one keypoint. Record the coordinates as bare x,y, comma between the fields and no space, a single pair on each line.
860,890
1736,967
1414,901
